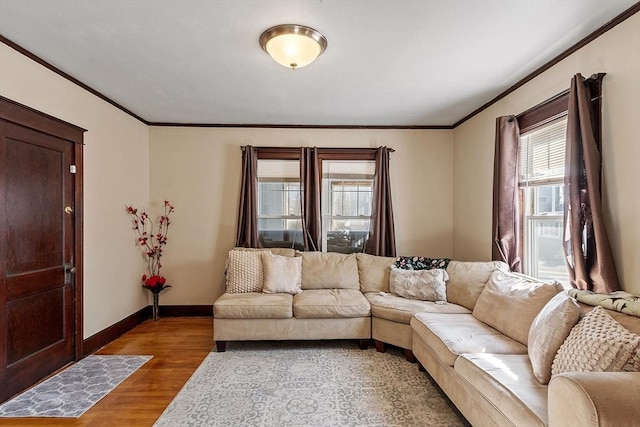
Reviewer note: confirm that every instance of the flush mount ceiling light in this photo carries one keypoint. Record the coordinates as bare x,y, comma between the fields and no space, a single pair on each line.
293,46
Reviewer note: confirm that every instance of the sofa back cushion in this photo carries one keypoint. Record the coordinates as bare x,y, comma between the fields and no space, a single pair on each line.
510,301
373,272
330,270
467,280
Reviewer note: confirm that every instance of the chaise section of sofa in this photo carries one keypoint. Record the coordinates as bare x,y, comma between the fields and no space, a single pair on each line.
483,361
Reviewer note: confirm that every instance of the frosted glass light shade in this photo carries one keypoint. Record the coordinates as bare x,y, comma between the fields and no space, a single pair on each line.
293,46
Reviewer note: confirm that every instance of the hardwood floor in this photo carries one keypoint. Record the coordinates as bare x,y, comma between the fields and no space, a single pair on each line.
178,346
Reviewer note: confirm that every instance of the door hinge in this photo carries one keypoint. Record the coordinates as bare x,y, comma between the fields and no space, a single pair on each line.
72,168
69,270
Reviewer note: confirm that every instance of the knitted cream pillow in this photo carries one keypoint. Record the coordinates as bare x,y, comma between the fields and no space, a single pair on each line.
244,271
596,344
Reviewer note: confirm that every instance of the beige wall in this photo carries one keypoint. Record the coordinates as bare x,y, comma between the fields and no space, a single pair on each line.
616,53
198,170
441,179
116,173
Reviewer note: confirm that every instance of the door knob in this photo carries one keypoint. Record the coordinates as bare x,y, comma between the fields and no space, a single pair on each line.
68,210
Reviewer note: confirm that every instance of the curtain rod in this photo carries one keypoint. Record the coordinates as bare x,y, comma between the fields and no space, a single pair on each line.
322,149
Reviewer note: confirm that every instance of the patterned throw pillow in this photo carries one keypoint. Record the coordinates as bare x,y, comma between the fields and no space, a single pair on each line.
548,331
596,344
425,285
421,263
244,271
621,301
282,274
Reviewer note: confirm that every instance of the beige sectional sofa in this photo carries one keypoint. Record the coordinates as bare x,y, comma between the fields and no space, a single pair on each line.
474,345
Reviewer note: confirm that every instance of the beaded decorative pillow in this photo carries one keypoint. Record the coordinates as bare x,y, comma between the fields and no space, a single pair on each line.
596,344
244,271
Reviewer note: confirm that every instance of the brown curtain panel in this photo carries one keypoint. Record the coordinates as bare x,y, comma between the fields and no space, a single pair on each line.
382,235
311,213
506,207
247,231
586,245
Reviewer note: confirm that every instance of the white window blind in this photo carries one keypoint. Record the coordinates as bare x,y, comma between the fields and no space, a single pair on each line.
344,169
283,170
542,153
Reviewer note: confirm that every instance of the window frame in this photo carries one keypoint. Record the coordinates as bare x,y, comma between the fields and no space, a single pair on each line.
530,120
544,113
328,216
324,154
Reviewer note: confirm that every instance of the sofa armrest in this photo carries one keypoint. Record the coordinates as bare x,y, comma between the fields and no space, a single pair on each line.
603,399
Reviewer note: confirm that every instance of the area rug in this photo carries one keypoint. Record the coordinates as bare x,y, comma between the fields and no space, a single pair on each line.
308,384
73,391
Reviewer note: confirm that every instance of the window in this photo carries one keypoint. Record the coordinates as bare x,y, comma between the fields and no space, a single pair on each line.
279,204
347,200
541,181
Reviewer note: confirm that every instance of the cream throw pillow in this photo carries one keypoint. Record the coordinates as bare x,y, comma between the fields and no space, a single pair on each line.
425,285
510,301
548,331
282,274
596,344
244,271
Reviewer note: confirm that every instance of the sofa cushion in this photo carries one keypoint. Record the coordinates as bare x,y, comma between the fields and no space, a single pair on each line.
548,331
424,285
329,270
244,271
253,306
467,280
401,310
330,303
450,335
373,272
596,344
508,382
510,301
281,274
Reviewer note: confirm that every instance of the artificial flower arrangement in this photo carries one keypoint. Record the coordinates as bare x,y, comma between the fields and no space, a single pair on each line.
152,244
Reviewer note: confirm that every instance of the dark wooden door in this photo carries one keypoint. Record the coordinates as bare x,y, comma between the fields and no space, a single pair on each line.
38,255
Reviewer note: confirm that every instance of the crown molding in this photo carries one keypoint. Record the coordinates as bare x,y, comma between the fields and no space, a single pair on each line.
588,39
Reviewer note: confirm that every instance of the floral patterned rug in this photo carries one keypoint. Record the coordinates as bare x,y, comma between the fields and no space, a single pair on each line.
320,383
70,393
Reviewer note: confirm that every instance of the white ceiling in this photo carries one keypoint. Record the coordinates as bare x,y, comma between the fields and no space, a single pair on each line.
388,63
